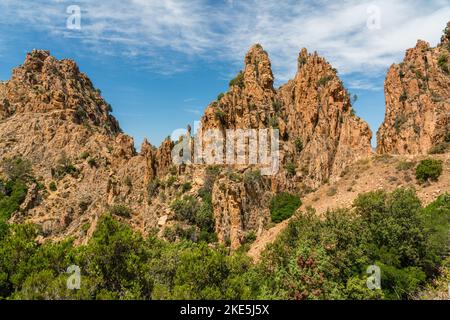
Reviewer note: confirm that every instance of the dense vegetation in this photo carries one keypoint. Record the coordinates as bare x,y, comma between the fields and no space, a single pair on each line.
328,258
313,259
283,206
429,169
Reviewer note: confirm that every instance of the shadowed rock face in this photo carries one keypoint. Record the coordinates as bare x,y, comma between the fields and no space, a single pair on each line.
417,100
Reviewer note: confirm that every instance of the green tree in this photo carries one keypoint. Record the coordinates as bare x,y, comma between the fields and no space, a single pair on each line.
283,206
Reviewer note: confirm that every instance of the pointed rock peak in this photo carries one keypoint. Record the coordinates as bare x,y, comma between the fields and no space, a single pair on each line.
38,54
256,51
41,61
258,67
305,57
145,146
35,59
422,45
302,57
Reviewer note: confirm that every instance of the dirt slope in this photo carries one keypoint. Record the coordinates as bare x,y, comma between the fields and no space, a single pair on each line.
379,172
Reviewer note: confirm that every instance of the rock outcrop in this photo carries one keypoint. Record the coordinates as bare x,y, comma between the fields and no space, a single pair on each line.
319,134
249,102
241,206
51,115
158,160
83,165
43,84
418,101
324,135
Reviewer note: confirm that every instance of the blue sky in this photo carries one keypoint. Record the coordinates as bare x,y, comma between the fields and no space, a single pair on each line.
160,63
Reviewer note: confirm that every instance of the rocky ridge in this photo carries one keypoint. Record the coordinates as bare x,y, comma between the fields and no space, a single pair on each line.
51,115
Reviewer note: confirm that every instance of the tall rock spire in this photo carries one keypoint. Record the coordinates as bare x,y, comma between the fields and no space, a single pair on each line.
417,118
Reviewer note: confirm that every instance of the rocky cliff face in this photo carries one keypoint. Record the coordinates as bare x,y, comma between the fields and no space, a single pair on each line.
241,206
323,134
249,102
51,115
43,85
320,135
83,166
418,101
313,112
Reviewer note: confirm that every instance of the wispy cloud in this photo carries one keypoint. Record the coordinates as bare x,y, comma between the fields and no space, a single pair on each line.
193,111
171,34
365,84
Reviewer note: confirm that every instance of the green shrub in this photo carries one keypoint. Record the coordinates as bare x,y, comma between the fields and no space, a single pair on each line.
85,227
171,180
291,169
442,62
84,203
12,196
234,176
252,176
92,162
250,237
52,186
436,220
153,187
220,115
283,206
273,122
429,169
315,257
238,81
84,155
332,192
185,209
220,96
276,104
186,187
120,210
301,61
298,145
204,217
324,80
211,174
447,137
399,121
128,181
64,166
173,170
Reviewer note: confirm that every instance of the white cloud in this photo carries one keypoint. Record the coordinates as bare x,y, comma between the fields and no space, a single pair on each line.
172,34
193,111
